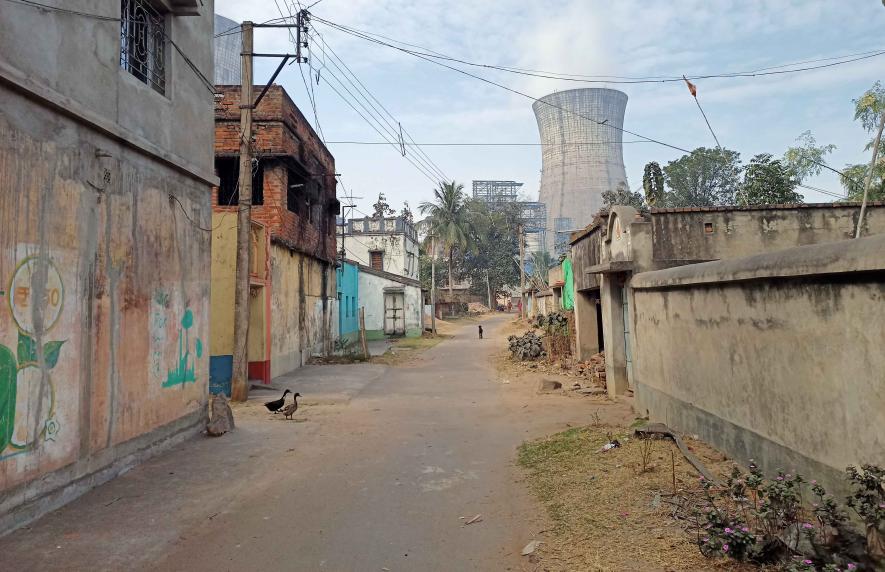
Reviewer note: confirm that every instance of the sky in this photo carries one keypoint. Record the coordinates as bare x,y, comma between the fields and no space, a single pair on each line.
627,38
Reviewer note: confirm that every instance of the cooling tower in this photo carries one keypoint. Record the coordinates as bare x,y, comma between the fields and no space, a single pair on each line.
228,45
580,158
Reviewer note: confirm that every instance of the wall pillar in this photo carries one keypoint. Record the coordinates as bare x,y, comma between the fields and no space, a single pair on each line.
613,332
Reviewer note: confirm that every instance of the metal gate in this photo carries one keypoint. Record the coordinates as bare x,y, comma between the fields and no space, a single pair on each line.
394,313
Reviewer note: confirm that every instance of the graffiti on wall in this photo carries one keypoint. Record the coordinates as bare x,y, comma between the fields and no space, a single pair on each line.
27,393
186,366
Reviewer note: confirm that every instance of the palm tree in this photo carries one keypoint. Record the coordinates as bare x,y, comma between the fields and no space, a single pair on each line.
448,220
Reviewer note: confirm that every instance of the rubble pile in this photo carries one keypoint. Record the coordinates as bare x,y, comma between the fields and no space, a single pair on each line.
526,347
593,369
477,308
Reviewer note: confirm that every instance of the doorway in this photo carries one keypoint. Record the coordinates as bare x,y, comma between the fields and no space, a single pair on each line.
394,313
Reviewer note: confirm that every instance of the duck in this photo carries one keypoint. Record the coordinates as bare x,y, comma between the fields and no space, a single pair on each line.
276,404
292,407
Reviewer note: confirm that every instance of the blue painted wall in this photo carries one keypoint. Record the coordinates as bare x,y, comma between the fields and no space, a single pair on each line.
220,372
348,300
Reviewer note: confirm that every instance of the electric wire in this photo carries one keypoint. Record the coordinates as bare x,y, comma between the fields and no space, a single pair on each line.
490,144
770,70
369,98
325,44
525,95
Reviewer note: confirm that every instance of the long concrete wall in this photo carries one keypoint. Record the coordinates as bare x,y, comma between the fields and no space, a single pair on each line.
301,308
776,357
105,318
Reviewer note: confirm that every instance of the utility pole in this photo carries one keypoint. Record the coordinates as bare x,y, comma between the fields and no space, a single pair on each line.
432,283
521,271
489,288
866,186
240,377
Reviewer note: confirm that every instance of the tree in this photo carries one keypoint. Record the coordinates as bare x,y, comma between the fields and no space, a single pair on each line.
768,181
382,208
448,220
704,177
622,195
870,110
806,159
653,184
491,261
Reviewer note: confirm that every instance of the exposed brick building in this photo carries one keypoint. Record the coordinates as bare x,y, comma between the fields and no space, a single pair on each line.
294,202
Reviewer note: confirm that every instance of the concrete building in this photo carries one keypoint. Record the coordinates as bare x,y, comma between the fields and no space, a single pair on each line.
347,282
389,244
386,252
293,294
105,177
582,156
740,324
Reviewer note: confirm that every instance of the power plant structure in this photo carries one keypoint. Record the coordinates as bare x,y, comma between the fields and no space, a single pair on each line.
532,214
582,156
228,46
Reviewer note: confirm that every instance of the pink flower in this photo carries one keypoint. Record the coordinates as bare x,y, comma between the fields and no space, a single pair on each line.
813,482
807,562
727,530
745,529
780,478
724,548
807,525
852,566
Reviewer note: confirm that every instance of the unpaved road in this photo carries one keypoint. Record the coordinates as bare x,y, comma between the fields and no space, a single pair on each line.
381,471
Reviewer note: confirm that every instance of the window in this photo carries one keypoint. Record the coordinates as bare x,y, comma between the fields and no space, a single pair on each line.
296,193
143,43
708,228
376,259
353,306
228,171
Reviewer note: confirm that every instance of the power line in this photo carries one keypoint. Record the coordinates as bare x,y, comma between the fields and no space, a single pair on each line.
771,70
514,91
360,87
490,144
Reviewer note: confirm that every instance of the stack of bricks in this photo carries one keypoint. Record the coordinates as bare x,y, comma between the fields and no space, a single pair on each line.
281,137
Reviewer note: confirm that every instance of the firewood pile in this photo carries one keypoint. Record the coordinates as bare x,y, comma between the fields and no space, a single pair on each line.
526,347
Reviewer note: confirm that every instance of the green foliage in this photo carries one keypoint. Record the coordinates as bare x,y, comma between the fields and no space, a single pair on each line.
806,159
870,106
448,219
495,247
653,184
623,196
868,495
768,181
855,176
381,208
704,177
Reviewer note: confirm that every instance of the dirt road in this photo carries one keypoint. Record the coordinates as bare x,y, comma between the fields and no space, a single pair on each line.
381,470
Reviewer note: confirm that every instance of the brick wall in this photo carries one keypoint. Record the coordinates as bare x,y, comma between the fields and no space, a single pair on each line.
283,139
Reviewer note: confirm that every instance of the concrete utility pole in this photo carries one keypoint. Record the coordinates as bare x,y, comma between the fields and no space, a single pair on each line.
433,284
866,186
240,378
521,271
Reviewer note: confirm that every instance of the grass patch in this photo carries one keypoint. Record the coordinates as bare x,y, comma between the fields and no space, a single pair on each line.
602,505
405,349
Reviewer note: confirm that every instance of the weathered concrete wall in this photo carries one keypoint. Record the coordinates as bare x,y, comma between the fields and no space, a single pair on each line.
76,61
371,297
303,289
694,235
776,357
106,288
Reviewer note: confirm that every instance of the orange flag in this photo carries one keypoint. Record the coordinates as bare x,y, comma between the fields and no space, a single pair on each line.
691,87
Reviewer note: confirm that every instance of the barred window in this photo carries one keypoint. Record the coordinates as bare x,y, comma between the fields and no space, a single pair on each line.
143,43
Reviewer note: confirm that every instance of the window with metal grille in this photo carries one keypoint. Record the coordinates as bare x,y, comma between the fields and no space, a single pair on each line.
376,259
296,194
228,171
143,42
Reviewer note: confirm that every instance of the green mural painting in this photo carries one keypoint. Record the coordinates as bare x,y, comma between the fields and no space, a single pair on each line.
185,369
27,393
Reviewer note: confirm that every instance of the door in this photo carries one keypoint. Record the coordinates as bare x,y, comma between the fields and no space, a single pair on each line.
394,314
628,352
